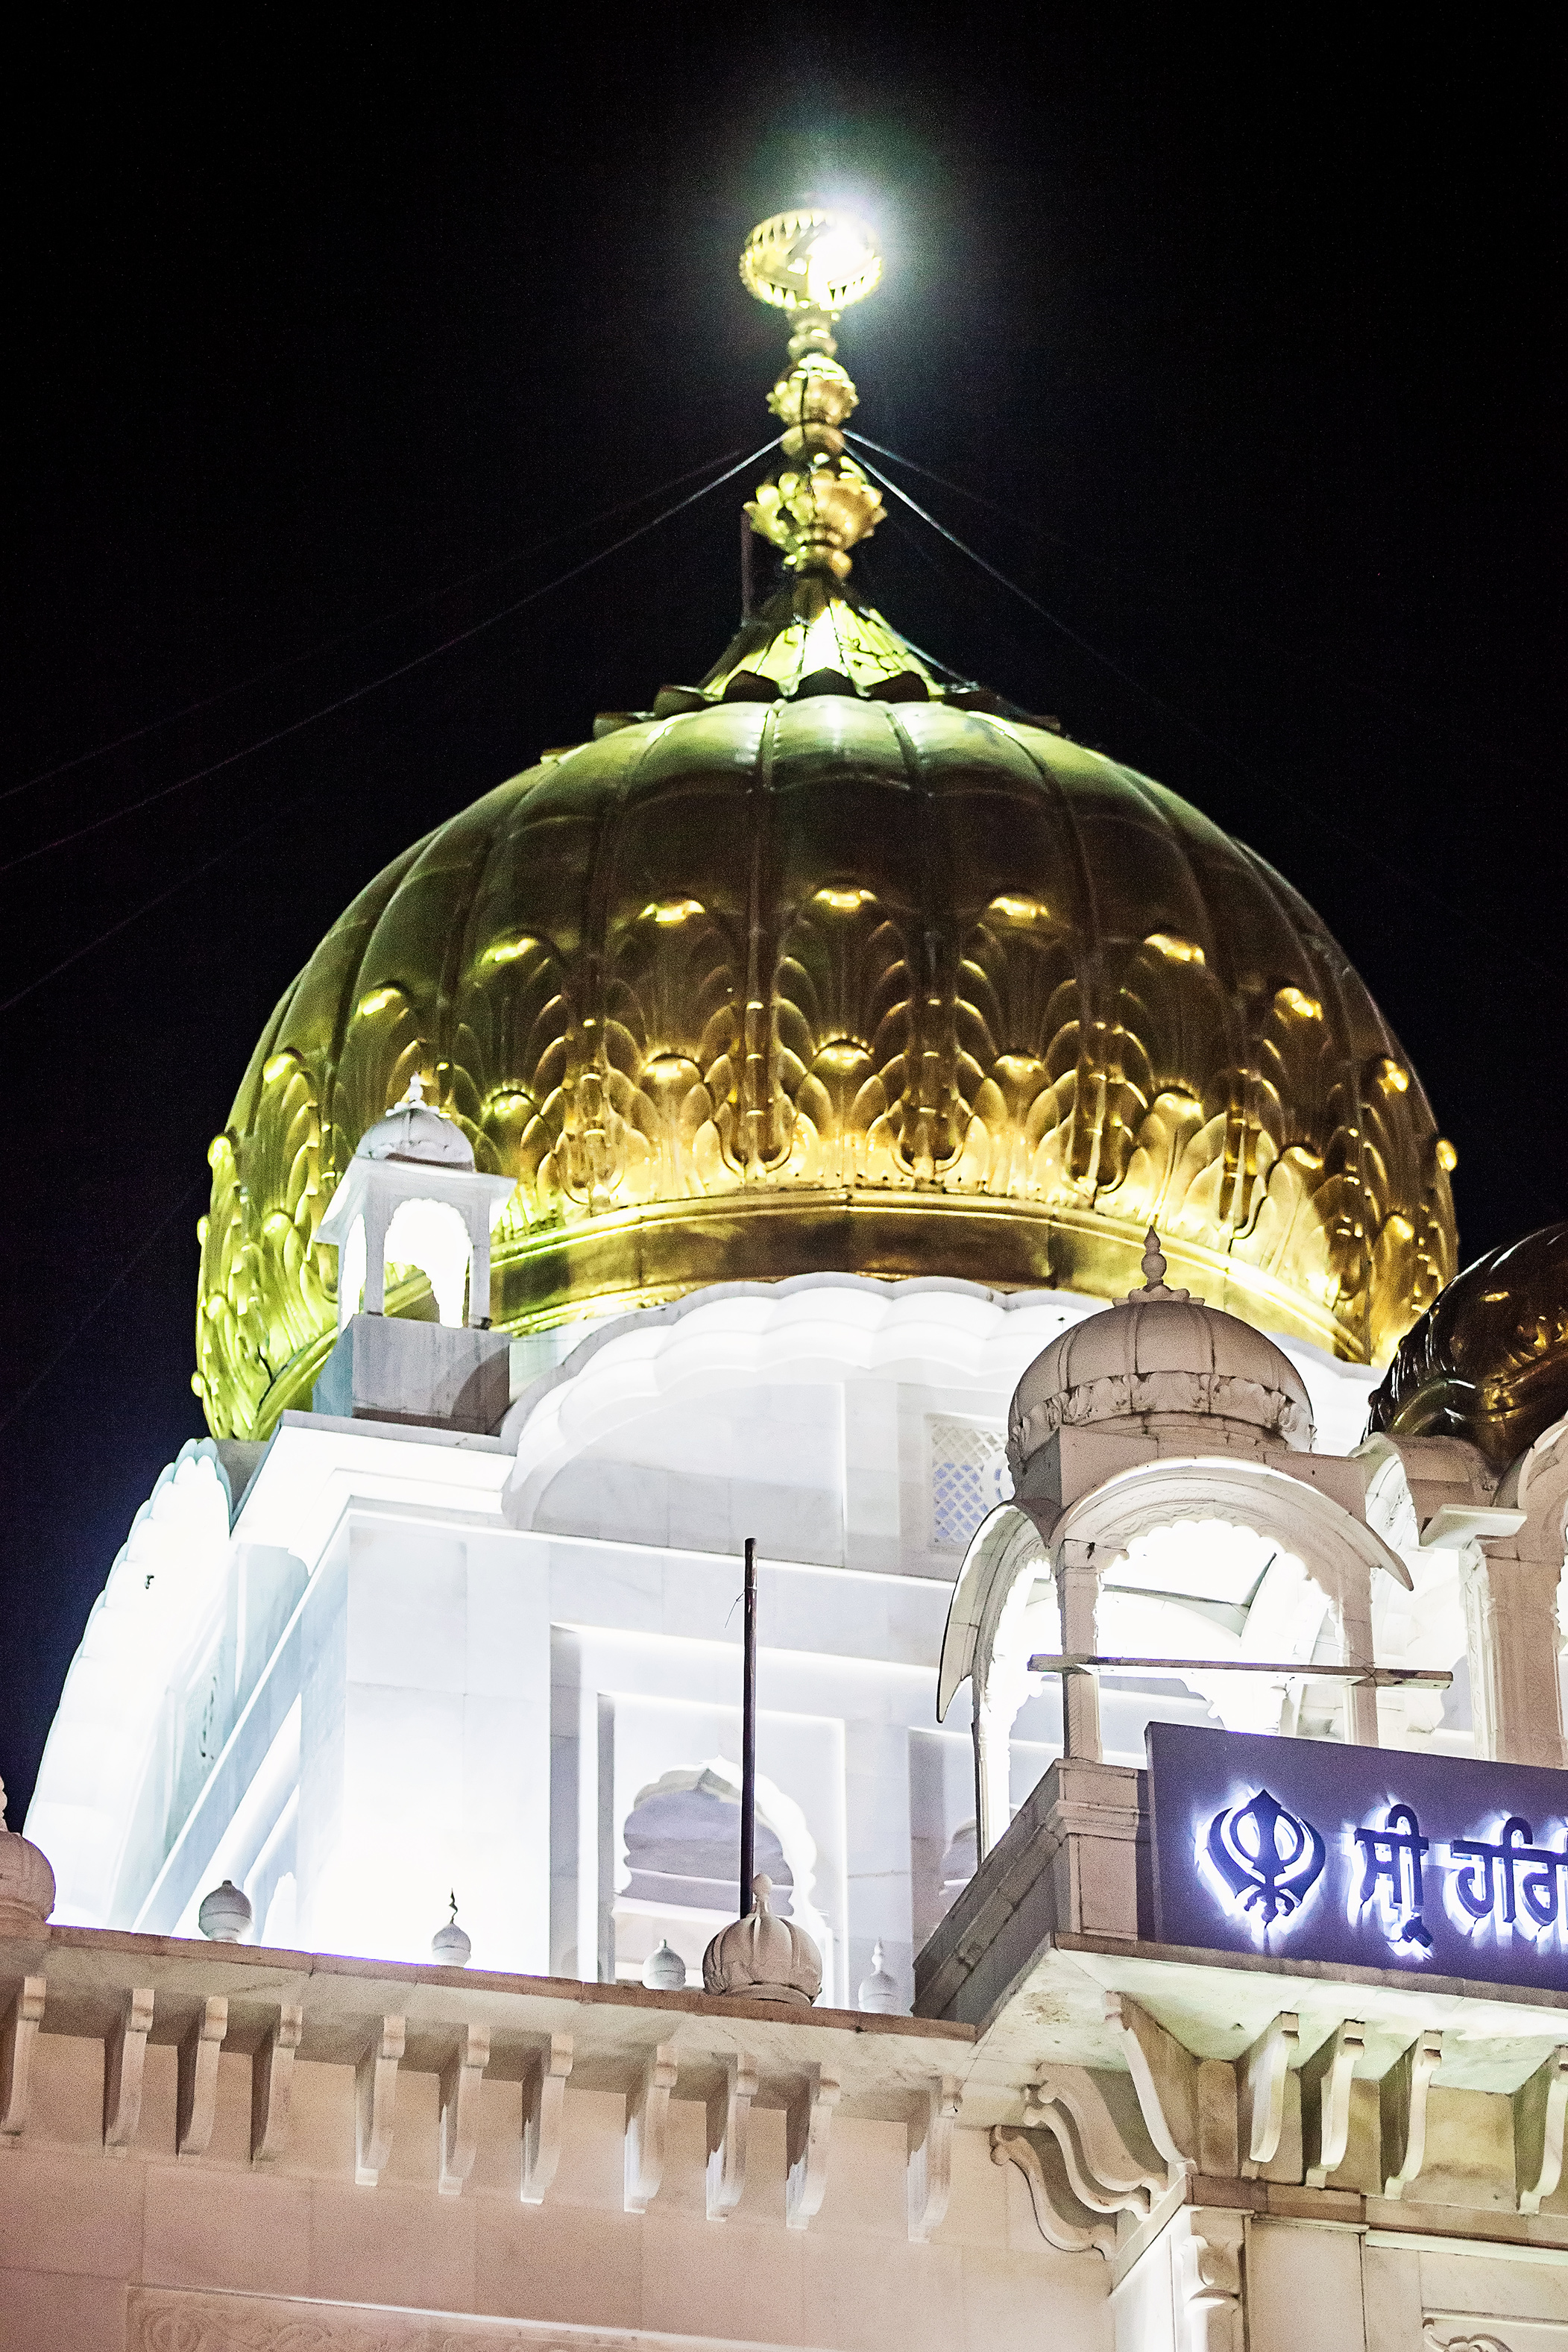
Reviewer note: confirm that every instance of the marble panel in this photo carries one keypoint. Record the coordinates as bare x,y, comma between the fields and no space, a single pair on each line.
507,1622
1303,2288
547,2261
230,2142
68,2213
42,2312
205,2228
866,2195
881,2294
320,2121
592,2143
407,1607
1005,2294
977,2205
1494,2289
1391,2299
731,2278
415,2156
67,2090
392,2245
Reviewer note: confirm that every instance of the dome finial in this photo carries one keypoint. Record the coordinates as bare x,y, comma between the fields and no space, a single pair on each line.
813,263
1153,1264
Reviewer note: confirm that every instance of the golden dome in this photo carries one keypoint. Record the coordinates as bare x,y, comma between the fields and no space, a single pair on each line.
817,966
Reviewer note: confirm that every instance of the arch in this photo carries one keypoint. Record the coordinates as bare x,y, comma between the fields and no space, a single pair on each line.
989,1635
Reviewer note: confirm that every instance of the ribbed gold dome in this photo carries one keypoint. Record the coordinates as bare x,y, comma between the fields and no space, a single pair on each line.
883,985
817,966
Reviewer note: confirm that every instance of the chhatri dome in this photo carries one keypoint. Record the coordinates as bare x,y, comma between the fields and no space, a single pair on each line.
821,964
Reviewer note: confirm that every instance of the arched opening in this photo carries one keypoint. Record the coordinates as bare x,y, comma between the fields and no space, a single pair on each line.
681,1850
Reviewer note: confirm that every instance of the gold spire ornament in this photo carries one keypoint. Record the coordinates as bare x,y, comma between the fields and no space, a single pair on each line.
818,504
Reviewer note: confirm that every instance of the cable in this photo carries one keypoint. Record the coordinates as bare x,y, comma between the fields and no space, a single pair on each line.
372,685
361,628
129,1268
1218,620
1243,767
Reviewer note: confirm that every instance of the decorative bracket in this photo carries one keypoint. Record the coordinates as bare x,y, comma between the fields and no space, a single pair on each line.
17,2034
272,2085
728,2116
1540,2112
196,2099
375,2092
1104,2172
1325,2100
807,2123
460,2080
647,2127
1402,2101
544,2102
1206,2267
928,2170
1265,2074
124,2061
1060,2216
1164,2076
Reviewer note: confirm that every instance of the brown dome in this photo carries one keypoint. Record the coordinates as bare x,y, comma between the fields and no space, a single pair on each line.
1489,1360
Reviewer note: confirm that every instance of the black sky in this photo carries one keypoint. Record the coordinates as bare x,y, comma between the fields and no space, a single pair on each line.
1250,339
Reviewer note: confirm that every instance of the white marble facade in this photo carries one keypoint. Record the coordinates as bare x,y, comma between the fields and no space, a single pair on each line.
420,1663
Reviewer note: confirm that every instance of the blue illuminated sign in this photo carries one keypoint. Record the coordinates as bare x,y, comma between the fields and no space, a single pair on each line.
1372,1856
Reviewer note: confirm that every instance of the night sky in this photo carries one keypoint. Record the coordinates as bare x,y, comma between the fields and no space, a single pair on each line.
1244,346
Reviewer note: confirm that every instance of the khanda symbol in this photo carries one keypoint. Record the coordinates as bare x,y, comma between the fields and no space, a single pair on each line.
1269,1859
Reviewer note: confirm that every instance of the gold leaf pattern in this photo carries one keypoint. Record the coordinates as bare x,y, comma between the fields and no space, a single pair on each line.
828,982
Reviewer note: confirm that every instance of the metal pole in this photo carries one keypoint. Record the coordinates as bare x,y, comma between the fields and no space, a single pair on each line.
748,1732
748,574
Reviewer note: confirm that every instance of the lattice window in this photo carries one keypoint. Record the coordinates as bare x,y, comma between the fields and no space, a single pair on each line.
968,1478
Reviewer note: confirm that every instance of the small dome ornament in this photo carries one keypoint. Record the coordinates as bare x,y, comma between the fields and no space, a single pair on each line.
1160,1352
416,1131
27,1882
878,1995
760,1957
225,1914
665,1970
450,1946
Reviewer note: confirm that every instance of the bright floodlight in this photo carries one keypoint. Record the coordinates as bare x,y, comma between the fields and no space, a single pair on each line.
812,260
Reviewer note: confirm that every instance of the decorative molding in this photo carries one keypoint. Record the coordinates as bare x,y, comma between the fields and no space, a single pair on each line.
1264,2077
18,2033
272,2085
460,2080
1164,2076
1105,2173
729,2118
544,2105
375,2097
196,2099
1206,2268
124,2061
647,2127
1325,2100
1540,2112
210,2319
808,2131
1061,2217
1402,2102
928,2170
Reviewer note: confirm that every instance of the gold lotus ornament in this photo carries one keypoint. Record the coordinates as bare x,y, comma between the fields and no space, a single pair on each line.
813,263
812,258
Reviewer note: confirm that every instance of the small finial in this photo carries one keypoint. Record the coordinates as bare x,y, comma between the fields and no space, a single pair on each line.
878,1994
761,1888
450,1946
414,1099
1153,1263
